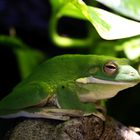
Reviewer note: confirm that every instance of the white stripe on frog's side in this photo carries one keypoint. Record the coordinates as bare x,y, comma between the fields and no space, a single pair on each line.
90,80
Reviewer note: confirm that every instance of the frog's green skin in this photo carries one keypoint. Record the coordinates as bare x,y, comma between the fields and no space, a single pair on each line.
72,82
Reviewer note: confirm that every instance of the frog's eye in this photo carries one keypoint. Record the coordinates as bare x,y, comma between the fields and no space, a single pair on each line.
110,68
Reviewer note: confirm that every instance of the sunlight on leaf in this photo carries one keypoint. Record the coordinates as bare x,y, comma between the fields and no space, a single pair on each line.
132,48
108,25
130,8
119,27
71,11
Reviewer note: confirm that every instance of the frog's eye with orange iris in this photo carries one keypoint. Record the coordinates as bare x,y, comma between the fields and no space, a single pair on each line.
110,68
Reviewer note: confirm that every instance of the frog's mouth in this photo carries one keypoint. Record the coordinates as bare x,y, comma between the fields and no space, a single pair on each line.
93,80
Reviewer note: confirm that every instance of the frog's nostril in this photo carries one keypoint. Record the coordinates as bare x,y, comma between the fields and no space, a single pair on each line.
134,74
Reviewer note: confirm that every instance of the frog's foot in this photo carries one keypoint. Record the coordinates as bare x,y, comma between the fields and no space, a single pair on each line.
102,110
97,114
101,107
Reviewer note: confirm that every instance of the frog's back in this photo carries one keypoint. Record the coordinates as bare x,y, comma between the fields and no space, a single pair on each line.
56,69
64,67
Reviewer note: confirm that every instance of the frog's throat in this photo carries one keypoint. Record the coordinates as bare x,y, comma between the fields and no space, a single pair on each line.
97,89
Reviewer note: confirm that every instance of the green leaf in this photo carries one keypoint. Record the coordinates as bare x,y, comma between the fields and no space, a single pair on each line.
105,48
130,8
131,48
27,58
12,42
109,26
66,8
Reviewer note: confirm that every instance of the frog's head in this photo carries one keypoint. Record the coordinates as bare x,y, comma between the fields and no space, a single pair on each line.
108,76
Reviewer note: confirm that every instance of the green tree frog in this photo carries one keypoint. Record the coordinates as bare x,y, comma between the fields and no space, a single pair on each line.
68,85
